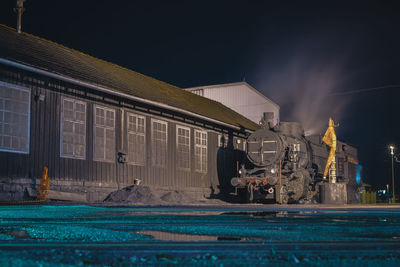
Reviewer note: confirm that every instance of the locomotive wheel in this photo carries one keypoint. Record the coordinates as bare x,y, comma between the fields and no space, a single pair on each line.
297,186
313,195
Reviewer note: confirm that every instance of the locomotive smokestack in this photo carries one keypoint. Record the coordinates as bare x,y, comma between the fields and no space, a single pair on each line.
19,9
267,120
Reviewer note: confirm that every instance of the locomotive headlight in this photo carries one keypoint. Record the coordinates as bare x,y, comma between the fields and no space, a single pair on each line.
272,171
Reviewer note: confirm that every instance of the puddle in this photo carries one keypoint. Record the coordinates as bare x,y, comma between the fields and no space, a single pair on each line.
265,213
169,236
129,213
17,234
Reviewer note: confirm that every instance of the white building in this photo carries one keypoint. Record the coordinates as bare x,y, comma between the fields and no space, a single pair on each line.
241,97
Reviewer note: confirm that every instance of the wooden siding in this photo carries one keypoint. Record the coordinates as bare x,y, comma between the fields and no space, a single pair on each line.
45,143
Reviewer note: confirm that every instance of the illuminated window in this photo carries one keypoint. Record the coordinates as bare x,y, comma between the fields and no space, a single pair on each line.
14,118
200,151
136,139
159,142
239,144
73,129
183,147
104,134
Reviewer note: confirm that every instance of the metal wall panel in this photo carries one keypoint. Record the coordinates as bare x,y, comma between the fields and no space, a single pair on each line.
242,99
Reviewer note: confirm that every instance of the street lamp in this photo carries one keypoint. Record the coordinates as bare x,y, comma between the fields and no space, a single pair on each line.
392,154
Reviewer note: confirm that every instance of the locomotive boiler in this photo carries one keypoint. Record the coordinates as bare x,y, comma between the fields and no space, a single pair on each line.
287,166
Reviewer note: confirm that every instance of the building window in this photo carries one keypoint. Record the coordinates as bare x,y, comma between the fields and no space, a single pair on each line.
200,151
222,141
240,144
159,142
104,134
136,139
183,147
73,129
15,112
199,92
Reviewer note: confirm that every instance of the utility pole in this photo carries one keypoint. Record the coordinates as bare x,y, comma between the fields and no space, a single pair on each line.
392,154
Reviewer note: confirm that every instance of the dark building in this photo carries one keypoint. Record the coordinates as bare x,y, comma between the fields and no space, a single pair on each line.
98,126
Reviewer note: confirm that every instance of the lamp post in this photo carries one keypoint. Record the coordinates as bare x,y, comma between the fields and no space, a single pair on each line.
392,154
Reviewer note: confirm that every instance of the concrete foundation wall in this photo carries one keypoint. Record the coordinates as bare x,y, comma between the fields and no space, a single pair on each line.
13,189
16,189
333,193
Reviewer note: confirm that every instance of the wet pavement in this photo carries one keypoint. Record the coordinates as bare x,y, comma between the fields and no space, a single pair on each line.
54,235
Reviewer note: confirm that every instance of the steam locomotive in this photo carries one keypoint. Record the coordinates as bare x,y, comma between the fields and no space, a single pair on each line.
287,166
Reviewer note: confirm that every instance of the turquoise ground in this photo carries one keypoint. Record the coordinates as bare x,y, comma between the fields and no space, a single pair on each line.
126,236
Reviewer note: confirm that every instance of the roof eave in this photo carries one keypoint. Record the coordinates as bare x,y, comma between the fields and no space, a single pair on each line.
112,92
233,84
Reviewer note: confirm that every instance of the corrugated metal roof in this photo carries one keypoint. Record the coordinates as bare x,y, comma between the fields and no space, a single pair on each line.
55,58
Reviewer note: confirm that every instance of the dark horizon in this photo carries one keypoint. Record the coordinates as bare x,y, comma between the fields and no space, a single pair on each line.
300,55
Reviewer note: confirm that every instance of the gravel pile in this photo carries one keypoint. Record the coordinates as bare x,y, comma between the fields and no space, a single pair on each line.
138,194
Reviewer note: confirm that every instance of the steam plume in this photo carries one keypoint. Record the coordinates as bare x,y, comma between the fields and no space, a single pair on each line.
303,89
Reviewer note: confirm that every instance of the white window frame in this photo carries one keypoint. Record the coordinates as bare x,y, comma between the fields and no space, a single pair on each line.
225,144
137,116
177,148
74,121
104,159
153,156
199,92
16,87
203,169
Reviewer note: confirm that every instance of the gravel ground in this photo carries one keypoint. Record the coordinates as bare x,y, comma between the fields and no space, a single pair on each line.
207,235
146,195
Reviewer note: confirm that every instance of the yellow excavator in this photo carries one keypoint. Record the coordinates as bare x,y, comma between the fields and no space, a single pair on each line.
330,139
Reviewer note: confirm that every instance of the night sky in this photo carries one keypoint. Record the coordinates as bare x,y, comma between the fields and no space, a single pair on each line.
302,54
